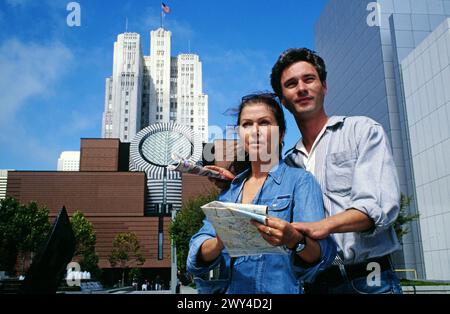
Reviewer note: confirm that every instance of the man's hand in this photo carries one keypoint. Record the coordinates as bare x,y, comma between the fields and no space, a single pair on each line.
221,184
224,172
352,220
316,230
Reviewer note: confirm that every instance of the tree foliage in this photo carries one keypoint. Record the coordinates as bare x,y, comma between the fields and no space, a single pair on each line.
135,275
126,252
187,222
23,229
404,217
85,239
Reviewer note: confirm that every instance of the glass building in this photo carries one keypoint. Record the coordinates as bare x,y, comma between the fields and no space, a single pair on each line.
426,76
364,43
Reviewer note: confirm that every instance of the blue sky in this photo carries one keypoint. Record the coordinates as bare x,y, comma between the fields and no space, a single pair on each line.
52,76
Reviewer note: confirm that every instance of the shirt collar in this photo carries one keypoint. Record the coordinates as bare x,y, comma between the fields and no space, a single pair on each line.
332,122
276,173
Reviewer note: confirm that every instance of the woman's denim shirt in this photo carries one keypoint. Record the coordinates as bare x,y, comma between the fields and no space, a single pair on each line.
291,194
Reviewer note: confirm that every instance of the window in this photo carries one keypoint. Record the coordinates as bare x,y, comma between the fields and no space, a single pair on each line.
126,119
126,128
126,111
160,117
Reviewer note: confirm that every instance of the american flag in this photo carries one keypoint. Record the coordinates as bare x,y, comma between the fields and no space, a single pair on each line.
165,8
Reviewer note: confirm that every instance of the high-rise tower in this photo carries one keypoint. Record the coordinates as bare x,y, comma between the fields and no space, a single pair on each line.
123,96
150,89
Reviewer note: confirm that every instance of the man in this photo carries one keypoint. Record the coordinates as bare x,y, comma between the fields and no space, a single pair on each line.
352,161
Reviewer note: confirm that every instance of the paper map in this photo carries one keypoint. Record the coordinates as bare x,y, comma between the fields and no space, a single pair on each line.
232,224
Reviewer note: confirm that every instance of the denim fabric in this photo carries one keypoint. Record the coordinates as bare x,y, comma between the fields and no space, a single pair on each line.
291,194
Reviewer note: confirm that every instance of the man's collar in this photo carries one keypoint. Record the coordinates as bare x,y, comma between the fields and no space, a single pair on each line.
335,120
331,123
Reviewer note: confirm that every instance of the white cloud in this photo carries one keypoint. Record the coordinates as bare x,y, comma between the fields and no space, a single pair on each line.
243,68
230,74
78,122
28,71
23,146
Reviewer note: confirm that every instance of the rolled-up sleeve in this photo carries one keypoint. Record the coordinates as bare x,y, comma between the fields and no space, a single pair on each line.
375,186
193,265
309,208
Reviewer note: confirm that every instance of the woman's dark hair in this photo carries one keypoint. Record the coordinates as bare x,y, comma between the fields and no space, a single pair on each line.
270,99
291,56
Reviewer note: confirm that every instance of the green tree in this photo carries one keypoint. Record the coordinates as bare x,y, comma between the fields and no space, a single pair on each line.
23,229
126,252
135,275
86,239
404,217
186,223
8,248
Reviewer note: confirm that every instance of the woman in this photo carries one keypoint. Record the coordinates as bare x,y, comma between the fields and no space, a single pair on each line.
291,194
